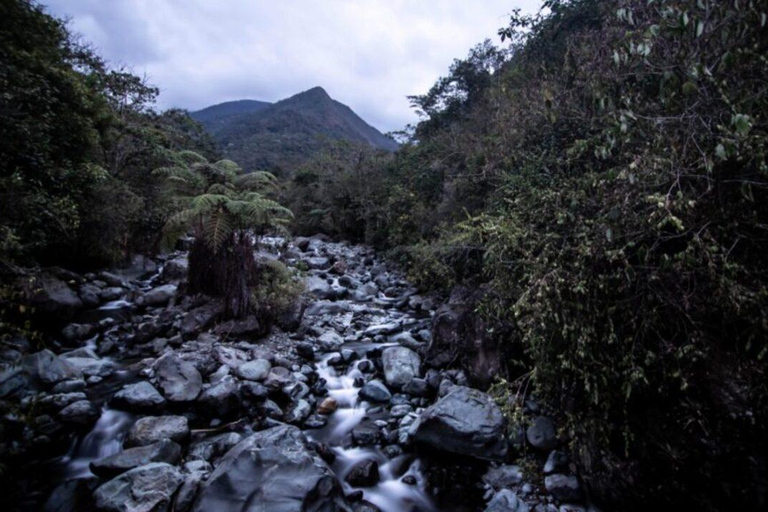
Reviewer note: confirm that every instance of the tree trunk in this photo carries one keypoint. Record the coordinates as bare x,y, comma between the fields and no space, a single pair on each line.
227,272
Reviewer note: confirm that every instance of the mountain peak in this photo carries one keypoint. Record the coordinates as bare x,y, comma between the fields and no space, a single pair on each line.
314,95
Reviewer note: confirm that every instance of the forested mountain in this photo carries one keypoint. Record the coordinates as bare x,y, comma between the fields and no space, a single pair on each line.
215,117
283,135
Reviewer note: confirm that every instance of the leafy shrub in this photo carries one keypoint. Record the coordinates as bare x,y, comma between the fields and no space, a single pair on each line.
277,290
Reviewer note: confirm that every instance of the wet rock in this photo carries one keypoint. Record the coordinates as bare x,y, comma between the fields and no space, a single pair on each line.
112,279
400,365
315,421
69,386
541,434
503,477
366,434
458,331
141,396
147,488
506,501
89,295
298,413
416,387
563,487
465,421
278,377
159,296
221,398
53,298
327,406
50,368
302,243
179,380
375,391
330,340
152,429
212,448
305,350
246,327
77,332
163,451
91,366
276,467
557,462
389,328
201,318
82,413
111,293
256,370
363,474
175,270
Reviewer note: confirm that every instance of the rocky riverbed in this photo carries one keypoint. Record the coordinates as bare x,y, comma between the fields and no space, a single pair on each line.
147,401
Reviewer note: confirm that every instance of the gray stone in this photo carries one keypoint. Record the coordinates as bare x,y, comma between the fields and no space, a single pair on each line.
141,396
503,477
274,470
541,434
144,489
178,379
563,487
363,474
221,398
53,298
375,391
464,421
299,412
162,451
213,447
82,412
175,270
416,387
50,368
152,429
400,365
256,370
557,462
330,340
506,501
160,296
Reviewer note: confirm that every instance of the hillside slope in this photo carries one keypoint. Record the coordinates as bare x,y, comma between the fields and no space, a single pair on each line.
280,136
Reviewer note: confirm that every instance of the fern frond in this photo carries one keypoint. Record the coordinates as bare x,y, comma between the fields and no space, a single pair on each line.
224,189
190,157
217,227
177,226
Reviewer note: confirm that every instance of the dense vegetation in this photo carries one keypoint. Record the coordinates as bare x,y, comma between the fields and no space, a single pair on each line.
90,173
606,176
281,136
78,142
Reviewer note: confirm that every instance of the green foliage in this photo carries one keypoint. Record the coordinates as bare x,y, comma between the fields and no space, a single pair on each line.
276,291
608,180
218,201
78,141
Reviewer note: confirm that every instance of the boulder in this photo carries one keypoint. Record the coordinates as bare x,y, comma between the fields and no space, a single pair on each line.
363,474
541,434
256,370
246,327
503,477
330,340
563,487
147,488
82,413
221,398
162,451
141,396
175,270
274,470
179,380
506,501
459,334
53,298
153,429
200,318
465,421
160,296
401,365
50,368
375,391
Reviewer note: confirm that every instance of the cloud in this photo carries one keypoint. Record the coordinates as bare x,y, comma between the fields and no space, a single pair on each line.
368,54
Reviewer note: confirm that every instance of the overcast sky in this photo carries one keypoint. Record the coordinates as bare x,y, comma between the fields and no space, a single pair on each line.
368,54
